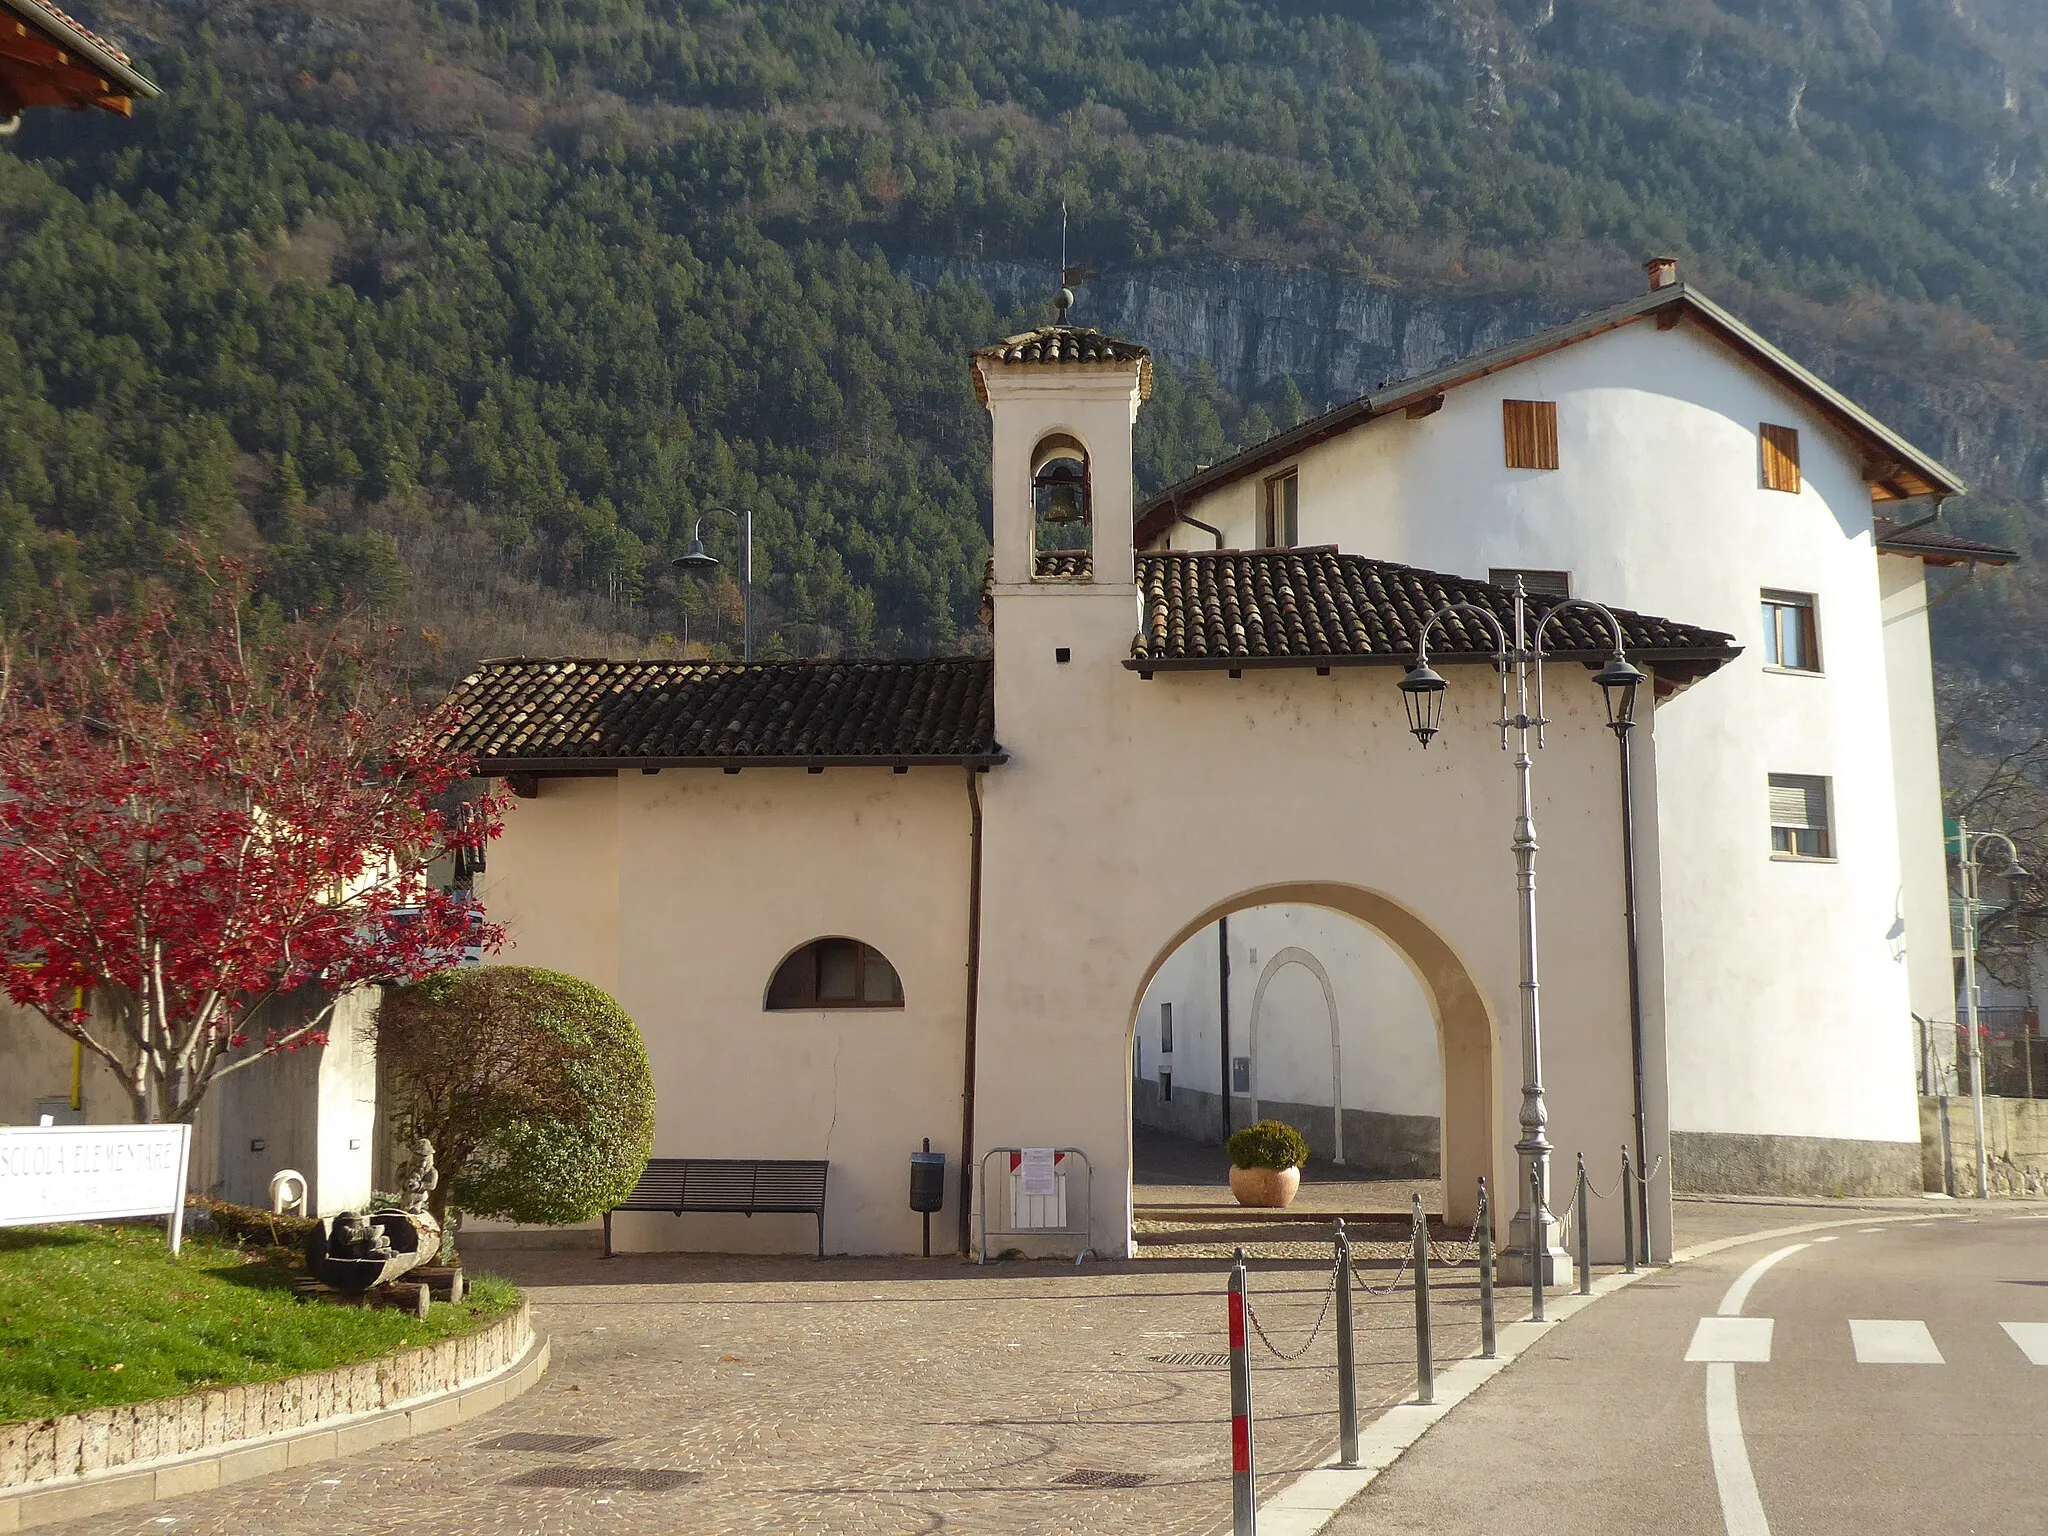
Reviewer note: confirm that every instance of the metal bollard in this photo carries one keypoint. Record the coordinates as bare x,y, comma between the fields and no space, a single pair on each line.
1347,1376
1425,1357
1486,1329
1628,1211
1585,1231
1244,1504
1539,1242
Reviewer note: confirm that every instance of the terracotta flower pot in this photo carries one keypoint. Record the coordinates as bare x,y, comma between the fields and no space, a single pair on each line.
1270,1188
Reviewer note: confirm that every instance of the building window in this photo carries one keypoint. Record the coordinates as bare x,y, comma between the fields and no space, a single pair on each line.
1540,583
1166,1029
1780,457
835,973
1280,516
1165,1084
1791,638
1799,817
1530,427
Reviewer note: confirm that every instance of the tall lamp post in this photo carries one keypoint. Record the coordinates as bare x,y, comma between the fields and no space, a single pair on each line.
697,558
1972,868
1422,692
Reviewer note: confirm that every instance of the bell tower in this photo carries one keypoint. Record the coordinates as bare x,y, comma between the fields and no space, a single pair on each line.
1063,401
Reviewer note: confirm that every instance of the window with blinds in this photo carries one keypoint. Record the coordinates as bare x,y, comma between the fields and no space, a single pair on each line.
1530,428
1537,583
1799,817
1781,457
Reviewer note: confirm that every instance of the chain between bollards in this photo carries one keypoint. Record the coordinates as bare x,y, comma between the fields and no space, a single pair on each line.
1628,1213
1425,1359
1347,1376
1486,1329
1244,1504
1539,1244
1585,1204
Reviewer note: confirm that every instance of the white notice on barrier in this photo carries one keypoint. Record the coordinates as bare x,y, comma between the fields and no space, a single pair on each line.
1036,1170
55,1173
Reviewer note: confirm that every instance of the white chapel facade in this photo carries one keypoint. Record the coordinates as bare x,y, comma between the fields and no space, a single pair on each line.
855,904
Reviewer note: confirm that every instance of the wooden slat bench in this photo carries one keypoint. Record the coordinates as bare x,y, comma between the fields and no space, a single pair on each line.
680,1186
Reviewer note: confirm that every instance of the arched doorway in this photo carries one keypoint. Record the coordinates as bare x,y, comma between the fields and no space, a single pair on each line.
1470,1144
1294,954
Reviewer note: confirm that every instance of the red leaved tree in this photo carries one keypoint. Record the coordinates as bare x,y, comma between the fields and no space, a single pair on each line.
195,822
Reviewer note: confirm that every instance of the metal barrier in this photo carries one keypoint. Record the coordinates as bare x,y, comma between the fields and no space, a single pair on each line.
1039,1214
1244,1501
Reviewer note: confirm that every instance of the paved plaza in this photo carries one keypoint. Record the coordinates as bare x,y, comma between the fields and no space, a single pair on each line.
780,1395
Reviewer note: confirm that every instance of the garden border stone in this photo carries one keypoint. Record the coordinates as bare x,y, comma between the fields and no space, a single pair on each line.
85,1463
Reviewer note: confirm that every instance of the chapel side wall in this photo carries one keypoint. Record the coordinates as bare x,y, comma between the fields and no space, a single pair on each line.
552,880
1916,758
1773,972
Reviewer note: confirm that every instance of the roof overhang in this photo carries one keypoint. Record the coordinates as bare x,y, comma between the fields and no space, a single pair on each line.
505,767
49,59
1893,468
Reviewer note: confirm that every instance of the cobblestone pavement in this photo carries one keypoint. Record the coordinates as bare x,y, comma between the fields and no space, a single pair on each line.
851,1395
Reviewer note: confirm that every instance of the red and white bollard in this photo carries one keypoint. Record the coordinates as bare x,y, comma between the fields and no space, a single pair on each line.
1244,1504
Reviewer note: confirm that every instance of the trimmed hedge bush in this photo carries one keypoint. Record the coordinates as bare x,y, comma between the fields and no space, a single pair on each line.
1269,1144
533,1087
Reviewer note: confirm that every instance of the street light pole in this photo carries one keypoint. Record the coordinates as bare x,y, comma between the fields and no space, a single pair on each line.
1423,689
1971,868
697,558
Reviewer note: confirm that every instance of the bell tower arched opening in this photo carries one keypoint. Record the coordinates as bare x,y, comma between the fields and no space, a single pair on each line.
1062,505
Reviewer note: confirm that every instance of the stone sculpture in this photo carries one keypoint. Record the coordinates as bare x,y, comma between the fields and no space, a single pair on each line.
421,1176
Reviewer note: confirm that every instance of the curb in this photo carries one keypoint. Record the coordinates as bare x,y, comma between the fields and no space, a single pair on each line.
234,1462
1309,1503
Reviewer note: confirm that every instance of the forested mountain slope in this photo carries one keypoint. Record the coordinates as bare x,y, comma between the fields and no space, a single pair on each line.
470,306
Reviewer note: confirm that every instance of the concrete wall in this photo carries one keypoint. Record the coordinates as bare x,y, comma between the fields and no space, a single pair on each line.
680,893
1766,964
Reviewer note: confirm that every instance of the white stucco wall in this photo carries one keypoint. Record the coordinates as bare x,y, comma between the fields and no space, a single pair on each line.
680,893
1772,971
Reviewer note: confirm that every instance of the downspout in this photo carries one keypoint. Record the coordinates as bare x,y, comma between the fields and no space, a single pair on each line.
1932,517
1223,1012
973,1010
1195,522
1641,1194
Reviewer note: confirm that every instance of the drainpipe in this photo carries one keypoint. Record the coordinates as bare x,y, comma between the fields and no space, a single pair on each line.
1641,1193
1223,1011
1195,522
973,1008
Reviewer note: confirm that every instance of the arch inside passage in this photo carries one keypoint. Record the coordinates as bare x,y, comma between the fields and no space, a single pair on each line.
1464,1024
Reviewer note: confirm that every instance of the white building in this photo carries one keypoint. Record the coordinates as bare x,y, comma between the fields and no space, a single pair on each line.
857,904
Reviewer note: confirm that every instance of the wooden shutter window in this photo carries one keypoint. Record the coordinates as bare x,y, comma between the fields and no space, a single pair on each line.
1530,430
1781,457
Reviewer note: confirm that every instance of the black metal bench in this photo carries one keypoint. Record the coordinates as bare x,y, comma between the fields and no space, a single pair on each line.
680,1186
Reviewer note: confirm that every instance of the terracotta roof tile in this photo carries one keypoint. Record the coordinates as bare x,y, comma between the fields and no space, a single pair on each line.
1313,605
527,713
1053,344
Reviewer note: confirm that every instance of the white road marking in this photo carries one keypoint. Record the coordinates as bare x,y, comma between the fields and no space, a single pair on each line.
1823,1239
1892,1341
2032,1339
1870,1229
1742,1511
1731,1339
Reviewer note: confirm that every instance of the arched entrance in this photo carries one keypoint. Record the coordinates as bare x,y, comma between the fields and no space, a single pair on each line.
1293,955
1464,1024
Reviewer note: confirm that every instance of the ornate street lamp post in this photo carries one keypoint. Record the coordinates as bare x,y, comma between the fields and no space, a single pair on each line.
697,558
1972,869
1422,692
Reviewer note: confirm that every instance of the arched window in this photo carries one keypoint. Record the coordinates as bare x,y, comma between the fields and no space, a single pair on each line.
835,973
1060,501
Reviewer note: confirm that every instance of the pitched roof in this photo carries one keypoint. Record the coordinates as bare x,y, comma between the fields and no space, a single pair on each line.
1936,547
1055,344
528,714
49,58
1234,609
1894,468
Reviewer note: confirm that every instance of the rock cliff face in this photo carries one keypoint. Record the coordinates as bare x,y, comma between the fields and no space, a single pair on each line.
1338,338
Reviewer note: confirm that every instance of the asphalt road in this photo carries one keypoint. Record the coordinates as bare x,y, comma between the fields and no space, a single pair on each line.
1927,1415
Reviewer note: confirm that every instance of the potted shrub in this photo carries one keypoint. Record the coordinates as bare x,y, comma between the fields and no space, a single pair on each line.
1265,1163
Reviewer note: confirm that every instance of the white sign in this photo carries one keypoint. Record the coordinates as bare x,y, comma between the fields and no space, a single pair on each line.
56,1173
1036,1168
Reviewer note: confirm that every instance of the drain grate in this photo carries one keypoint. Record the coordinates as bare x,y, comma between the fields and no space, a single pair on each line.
1091,1477
1213,1360
552,1445
647,1479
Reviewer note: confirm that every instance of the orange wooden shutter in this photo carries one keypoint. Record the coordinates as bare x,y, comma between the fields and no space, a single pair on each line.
1781,457
1530,430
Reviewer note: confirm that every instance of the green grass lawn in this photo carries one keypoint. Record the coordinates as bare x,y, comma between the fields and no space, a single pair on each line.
96,1315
